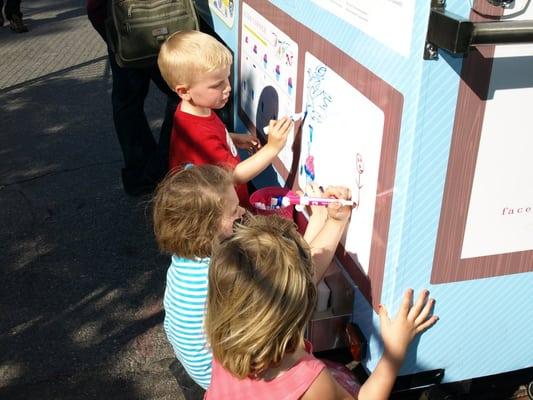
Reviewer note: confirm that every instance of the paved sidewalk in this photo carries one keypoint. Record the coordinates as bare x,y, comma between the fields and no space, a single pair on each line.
81,277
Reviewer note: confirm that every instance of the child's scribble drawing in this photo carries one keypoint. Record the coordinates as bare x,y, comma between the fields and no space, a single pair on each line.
318,99
360,168
282,50
309,166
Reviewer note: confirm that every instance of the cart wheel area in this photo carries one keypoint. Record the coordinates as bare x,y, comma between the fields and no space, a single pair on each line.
436,393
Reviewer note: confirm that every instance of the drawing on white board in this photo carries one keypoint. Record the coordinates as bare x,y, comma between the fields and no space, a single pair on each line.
341,143
283,50
317,99
360,168
308,166
316,104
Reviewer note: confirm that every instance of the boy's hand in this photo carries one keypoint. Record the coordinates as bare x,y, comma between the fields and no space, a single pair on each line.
335,210
246,141
278,131
411,319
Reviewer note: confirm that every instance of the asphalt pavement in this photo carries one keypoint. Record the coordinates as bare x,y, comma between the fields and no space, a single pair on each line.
81,280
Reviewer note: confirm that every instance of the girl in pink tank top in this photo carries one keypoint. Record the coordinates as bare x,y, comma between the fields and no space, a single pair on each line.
261,296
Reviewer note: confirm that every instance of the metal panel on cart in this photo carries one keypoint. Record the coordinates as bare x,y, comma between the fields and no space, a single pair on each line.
436,152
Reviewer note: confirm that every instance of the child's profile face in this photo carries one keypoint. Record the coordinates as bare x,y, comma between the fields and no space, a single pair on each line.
211,89
232,212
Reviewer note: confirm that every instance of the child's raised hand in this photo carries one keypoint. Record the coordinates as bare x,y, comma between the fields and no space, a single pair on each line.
278,132
411,319
335,210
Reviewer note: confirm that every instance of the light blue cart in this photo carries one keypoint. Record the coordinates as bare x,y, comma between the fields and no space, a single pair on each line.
446,190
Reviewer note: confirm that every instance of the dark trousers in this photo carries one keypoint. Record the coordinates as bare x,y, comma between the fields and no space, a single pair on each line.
12,8
145,159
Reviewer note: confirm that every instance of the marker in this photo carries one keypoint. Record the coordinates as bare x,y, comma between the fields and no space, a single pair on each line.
260,206
294,117
309,201
264,207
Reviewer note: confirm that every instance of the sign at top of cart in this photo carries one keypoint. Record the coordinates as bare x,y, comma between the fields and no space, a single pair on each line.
388,21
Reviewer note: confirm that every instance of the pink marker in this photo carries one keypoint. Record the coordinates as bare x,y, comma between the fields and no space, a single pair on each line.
308,201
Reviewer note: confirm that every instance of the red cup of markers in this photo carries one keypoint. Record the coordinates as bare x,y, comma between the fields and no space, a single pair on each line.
261,201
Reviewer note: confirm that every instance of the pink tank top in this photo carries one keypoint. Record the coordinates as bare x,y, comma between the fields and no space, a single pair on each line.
290,385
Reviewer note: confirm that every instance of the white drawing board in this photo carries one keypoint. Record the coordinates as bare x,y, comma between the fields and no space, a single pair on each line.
341,145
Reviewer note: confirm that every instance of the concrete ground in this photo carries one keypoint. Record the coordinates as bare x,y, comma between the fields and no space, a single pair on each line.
81,277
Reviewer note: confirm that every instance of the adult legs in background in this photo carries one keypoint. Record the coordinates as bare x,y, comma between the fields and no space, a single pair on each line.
145,159
14,15
163,145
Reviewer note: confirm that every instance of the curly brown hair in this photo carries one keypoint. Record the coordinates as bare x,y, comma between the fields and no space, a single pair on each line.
187,210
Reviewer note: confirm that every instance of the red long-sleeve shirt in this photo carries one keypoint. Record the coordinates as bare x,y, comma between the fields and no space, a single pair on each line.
203,140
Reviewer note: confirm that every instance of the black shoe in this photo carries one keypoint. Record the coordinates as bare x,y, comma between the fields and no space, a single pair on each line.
16,24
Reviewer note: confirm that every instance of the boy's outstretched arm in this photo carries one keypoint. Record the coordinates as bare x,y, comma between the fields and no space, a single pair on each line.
324,244
397,334
255,164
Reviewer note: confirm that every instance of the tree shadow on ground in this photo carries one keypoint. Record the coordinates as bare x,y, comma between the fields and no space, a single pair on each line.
82,279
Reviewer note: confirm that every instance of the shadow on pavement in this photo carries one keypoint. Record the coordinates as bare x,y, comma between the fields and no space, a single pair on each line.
82,279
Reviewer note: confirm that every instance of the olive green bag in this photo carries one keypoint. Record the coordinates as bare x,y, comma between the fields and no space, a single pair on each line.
137,28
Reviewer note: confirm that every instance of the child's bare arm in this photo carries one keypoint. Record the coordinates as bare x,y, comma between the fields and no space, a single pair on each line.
325,243
251,167
318,214
397,334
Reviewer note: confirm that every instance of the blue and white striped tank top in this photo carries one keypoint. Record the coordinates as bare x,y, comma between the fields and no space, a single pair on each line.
184,302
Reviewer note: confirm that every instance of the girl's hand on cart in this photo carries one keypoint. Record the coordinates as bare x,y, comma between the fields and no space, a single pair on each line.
411,320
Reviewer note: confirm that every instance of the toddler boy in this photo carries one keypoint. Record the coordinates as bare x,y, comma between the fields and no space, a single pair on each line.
197,67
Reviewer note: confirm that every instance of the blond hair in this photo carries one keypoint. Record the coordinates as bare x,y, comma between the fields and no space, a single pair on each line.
260,296
185,54
187,210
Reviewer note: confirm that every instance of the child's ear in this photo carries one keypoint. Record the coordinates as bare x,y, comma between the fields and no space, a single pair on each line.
183,92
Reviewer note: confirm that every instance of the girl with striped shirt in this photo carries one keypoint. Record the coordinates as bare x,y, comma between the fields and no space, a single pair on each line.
193,208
